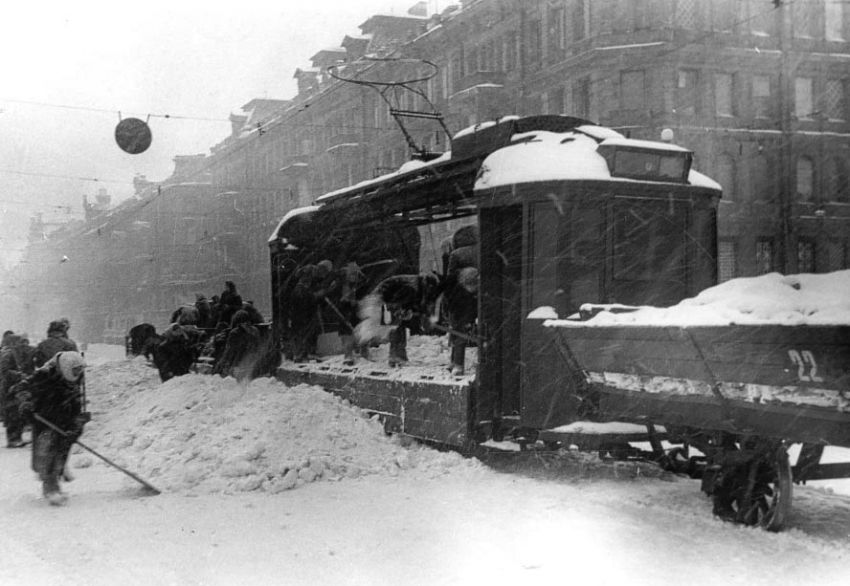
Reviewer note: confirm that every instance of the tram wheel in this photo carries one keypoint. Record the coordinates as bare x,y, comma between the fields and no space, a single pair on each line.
759,493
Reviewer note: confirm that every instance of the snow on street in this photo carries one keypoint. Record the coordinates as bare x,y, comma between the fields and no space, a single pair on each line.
269,485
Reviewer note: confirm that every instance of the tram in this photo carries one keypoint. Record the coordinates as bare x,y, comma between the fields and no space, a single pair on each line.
570,215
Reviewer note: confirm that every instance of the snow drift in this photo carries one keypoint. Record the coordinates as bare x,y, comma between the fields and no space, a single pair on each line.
206,434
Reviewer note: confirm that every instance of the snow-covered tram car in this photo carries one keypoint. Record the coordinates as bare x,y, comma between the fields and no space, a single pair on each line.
568,212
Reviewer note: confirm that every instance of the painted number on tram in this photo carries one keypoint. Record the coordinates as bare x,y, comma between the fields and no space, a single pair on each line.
807,366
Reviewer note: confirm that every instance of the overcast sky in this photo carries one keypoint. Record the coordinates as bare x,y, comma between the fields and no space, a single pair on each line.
69,69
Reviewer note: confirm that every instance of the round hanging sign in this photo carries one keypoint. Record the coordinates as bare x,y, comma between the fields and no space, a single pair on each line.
133,136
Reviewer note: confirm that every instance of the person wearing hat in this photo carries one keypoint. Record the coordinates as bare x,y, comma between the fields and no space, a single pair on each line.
57,340
53,393
461,293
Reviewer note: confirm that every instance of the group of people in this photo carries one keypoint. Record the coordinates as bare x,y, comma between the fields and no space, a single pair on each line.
319,288
43,388
225,331
344,294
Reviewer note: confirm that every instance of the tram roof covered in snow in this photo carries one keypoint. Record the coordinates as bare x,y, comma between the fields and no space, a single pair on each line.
507,151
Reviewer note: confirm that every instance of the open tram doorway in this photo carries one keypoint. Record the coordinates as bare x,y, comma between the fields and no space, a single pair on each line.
500,317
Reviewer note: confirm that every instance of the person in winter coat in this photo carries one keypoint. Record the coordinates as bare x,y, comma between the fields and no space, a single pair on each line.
254,315
241,349
57,341
13,367
3,345
304,314
230,302
53,393
178,350
461,293
352,290
205,312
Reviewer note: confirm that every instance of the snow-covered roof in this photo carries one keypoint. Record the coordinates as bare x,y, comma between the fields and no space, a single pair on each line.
540,155
405,168
288,216
772,299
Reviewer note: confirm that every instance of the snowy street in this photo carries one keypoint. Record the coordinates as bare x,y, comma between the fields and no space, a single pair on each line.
431,518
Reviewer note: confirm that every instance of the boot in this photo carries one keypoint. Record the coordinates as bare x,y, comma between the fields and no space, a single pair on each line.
57,499
364,351
398,346
348,349
458,357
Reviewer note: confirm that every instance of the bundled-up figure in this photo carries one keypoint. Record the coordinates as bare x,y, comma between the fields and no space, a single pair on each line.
461,293
178,350
352,288
229,302
53,392
410,300
205,312
4,344
15,364
57,340
304,314
254,315
241,351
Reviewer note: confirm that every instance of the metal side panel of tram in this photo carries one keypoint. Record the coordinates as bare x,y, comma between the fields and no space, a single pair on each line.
427,410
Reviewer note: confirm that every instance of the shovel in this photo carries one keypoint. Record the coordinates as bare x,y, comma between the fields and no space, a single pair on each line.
148,489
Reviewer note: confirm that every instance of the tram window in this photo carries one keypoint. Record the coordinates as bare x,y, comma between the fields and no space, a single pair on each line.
545,219
650,253
566,256
645,164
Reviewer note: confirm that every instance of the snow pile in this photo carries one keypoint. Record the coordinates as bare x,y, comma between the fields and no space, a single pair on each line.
205,434
804,299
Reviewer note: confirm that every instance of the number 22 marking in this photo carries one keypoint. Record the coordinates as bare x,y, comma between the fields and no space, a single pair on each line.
804,360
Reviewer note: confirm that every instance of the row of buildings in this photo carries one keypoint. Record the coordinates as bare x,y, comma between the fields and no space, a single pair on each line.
758,89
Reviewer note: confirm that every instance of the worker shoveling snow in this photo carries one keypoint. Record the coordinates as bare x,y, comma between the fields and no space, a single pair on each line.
207,434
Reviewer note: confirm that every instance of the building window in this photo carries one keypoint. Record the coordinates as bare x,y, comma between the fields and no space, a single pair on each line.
555,101
471,60
805,256
805,179
834,20
762,19
764,256
581,98
534,45
581,20
761,179
838,253
834,99
686,14
804,18
837,184
509,55
641,14
686,92
725,176
725,14
727,267
632,90
555,33
803,93
724,104
761,96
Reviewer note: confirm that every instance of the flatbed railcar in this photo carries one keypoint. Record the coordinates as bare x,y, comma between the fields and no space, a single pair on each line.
570,213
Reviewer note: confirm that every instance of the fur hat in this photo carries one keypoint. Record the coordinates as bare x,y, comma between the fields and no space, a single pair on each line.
71,365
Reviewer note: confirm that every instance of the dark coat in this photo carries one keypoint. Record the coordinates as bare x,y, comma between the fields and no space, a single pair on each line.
54,343
48,394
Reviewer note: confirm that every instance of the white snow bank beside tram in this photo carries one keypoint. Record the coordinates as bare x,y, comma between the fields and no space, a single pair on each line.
205,434
772,299
540,155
